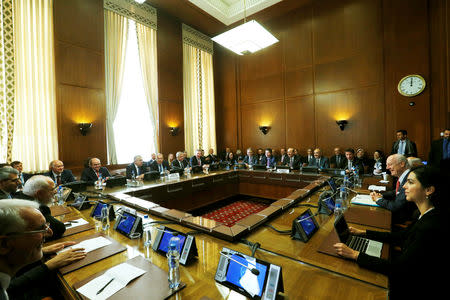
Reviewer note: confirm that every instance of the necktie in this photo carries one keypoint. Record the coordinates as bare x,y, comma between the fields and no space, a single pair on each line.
338,159
160,169
98,174
397,187
292,161
58,179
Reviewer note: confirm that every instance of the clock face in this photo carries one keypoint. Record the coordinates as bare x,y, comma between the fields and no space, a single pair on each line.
411,85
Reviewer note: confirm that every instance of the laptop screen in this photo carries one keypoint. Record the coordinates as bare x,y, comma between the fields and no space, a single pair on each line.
332,185
164,244
126,223
342,229
98,209
307,223
330,203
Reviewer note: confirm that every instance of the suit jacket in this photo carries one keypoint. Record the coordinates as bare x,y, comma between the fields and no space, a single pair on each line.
320,163
210,159
402,210
57,226
341,164
282,159
251,161
410,148
272,161
33,282
131,168
356,164
177,164
90,176
66,176
194,161
297,161
225,155
308,160
155,167
423,254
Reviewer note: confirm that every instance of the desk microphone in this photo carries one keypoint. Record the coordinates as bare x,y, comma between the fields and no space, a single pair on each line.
253,270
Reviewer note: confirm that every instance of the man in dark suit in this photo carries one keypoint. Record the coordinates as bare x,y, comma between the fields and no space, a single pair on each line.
137,168
152,160
211,158
23,177
395,200
319,160
9,181
338,160
352,163
250,159
308,160
160,164
58,174
283,157
94,171
403,145
268,159
439,155
197,160
292,160
180,161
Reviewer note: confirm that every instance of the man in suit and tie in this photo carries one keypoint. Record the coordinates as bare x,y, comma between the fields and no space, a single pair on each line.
180,161
226,155
293,161
9,182
211,158
320,161
403,145
439,155
137,168
152,160
18,248
23,177
197,160
352,164
95,170
160,164
268,159
250,159
58,174
308,160
282,160
338,160
395,200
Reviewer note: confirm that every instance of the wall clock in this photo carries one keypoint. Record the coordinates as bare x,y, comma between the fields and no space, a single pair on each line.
411,85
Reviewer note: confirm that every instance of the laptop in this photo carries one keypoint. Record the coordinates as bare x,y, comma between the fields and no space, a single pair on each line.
369,247
332,185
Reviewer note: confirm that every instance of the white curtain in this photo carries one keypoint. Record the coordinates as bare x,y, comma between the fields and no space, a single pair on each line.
116,30
35,139
146,37
208,103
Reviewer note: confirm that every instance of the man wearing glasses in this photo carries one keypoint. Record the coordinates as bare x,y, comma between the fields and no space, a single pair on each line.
9,181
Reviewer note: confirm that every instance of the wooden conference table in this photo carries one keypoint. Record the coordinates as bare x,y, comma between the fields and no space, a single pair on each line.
307,273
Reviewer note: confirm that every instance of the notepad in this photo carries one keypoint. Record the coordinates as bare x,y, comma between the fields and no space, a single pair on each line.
90,245
363,200
76,223
120,275
377,188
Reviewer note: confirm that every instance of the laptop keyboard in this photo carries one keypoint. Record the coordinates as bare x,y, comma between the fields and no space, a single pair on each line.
358,243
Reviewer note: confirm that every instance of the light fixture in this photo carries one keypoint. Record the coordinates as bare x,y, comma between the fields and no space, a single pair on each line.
246,38
264,129
84,127
140,1
173,131
341,124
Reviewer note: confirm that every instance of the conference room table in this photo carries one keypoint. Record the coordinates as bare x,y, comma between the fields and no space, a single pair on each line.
306,273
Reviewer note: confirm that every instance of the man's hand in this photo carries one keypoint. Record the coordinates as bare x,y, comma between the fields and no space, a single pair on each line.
375,196
65,258
344,251
56,247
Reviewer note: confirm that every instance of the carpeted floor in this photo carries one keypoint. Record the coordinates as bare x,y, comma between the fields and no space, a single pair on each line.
232,213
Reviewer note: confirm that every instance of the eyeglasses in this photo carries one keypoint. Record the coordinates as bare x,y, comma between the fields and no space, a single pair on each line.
14,234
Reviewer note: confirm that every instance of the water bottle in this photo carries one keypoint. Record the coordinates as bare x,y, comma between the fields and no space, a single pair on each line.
338,206
59,196
105,217
173,258
343,196
98,183
146,230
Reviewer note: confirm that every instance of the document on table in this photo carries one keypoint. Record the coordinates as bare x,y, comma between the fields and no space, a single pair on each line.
363,200
75,223
90,245
377,188
110,282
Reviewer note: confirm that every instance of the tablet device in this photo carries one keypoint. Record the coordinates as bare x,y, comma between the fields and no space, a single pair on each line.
197,169
117,180
259,167
152,175
128,224
76,186
304,226
186,247
97,211
332,185
237,271
310,169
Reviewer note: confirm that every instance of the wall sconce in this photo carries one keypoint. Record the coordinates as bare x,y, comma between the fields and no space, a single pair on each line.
173,131
84,127
264,129
341,124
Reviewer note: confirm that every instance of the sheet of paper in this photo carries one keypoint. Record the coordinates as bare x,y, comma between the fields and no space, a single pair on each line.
378,188
90,245
363,200
76,223
121,274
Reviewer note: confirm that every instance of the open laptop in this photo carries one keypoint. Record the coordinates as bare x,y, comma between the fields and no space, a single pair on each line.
369,247
332,185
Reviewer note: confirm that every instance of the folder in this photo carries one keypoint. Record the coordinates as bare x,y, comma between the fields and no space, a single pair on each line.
152,285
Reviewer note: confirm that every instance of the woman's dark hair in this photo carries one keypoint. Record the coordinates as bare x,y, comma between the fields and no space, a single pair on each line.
381,153
428,177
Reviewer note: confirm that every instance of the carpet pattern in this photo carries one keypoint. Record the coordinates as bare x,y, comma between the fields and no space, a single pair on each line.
232,213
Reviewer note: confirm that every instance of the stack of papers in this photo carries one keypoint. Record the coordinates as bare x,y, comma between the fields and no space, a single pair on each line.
363,200
90,245
110,282
76,223
377,188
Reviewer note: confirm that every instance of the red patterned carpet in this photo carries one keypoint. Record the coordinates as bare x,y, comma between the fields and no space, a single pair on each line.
232,213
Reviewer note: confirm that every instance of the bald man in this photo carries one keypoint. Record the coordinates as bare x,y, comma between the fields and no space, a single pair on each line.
94,170
58,174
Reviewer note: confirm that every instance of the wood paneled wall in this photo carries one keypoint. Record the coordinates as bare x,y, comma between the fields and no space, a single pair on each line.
338,60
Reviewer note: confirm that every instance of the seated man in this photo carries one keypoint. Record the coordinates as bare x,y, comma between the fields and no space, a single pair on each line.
197,159
152,160
395,200
9,182
352,163
282,160
226,154
338,160
320,161
22,176
268,159
211,158
160,164
250,159
42,189
309,158
180,161
58,174
292,161
94,171
137,168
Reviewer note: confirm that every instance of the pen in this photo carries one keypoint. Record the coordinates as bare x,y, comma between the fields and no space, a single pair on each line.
103,288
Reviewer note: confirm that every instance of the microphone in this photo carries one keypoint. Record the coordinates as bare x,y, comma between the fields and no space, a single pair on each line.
306,218
253,270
